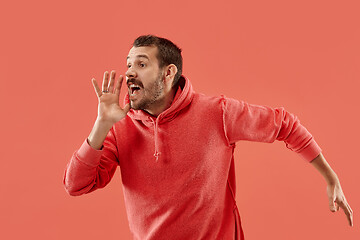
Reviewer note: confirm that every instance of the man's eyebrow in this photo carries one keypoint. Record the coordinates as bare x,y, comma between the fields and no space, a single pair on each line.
139,56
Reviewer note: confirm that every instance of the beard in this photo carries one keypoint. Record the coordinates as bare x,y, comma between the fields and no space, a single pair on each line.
151,94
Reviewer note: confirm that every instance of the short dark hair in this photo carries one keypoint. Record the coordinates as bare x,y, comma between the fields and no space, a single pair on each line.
168,52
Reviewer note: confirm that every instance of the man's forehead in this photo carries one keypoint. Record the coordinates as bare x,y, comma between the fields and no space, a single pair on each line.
148,52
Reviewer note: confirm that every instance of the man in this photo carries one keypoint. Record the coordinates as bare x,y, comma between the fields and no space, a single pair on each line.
175,148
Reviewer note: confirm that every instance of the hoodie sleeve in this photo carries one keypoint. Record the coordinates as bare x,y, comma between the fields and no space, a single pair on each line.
244,121
90,169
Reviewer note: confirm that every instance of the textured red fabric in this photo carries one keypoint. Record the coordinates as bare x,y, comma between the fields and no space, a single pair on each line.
177,169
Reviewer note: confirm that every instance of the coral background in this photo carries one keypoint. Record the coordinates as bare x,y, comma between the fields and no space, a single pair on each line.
302,55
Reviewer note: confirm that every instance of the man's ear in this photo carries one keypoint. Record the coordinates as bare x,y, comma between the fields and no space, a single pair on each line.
170,72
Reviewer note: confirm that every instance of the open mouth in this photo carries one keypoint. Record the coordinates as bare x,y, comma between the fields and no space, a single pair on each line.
134,89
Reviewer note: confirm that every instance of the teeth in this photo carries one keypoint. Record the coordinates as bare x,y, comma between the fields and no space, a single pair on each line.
133,86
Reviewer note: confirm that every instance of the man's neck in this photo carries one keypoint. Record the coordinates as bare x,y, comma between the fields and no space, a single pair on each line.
163,105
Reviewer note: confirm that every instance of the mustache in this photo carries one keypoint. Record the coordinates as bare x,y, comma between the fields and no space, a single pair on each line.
134,81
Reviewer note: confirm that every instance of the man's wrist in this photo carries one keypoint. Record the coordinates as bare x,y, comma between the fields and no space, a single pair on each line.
98,134
331,178
103,123
324,168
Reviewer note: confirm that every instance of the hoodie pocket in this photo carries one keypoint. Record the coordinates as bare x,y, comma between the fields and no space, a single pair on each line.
239,234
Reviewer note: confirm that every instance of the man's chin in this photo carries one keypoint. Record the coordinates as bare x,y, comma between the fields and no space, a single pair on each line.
134,106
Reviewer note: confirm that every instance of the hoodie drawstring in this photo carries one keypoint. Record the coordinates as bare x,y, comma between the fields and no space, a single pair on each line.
156,153
182,99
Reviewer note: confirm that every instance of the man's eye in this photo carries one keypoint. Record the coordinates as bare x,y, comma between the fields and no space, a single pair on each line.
142,65
128,66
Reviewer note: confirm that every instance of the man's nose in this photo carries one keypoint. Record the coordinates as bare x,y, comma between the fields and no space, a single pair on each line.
130,73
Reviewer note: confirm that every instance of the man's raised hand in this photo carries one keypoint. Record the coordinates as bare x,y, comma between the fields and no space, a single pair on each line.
109,109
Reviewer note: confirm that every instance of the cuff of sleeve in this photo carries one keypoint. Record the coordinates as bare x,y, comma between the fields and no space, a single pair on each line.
89,155
311,151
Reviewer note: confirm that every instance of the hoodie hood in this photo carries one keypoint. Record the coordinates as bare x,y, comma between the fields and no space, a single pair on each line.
183,98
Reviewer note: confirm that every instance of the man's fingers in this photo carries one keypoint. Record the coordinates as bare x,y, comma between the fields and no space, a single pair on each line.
332,204
112,81
351,214
349,207
105,82
96,87
108,86
118,85
347,210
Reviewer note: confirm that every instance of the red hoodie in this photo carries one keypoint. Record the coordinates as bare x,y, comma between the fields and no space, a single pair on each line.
177,169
